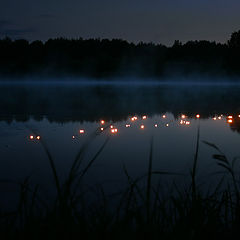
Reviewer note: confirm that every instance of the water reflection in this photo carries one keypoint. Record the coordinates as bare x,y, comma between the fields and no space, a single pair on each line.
64,118
113,103
155,122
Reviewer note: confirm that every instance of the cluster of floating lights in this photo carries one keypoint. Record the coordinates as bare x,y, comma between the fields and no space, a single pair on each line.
218,117
230,119
183,121
81,131
134,118
114,130
31,137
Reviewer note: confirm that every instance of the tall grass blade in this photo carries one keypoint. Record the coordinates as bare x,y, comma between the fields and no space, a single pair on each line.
211,145
80,156
53,167
194,168
149,178
90,164
94,158
52,164
221,158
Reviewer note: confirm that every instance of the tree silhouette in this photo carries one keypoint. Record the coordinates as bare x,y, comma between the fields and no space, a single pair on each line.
234,41
105,58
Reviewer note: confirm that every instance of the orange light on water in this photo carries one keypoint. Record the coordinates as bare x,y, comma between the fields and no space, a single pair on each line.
142,126
81,131
114,130
31,137
144,117
134,118
197,116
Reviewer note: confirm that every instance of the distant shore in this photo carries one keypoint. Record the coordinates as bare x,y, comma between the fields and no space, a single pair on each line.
104,59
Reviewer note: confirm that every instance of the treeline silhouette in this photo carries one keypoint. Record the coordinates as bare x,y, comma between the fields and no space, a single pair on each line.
117,58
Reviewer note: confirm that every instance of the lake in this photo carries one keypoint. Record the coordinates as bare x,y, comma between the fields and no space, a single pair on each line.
64,117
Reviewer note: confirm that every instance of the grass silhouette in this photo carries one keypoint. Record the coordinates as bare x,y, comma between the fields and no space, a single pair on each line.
138,213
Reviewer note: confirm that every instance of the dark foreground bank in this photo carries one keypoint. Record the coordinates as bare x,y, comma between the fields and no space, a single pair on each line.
142,210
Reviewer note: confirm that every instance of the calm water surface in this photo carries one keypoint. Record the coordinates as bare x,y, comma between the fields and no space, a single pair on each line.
65,116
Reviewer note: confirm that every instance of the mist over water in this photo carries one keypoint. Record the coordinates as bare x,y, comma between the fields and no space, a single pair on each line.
58,111
114,100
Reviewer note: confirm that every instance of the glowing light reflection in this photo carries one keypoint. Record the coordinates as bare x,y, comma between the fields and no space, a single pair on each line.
114,130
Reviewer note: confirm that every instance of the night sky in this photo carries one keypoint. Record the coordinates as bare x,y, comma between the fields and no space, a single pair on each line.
159,21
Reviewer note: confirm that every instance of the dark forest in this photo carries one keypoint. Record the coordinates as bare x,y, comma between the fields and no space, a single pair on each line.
103,58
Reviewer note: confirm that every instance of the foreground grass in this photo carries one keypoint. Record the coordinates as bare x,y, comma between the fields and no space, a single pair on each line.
139,211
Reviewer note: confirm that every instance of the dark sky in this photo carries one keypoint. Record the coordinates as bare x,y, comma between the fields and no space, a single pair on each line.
160,21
